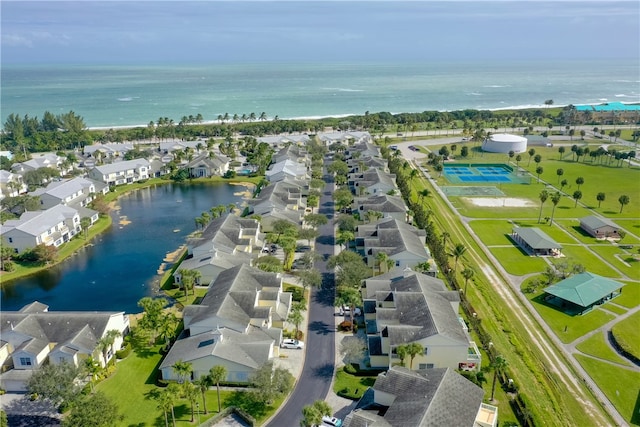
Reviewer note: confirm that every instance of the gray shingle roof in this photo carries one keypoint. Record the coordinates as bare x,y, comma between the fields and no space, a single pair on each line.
392,236
37,222
595,222
434,397
382,203
536,238
122,166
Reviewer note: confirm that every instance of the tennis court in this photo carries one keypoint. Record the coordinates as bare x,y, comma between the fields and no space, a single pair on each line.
481,173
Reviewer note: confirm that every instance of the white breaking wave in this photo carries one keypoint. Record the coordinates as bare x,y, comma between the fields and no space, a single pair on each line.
496,86
475,93
342,89
125,99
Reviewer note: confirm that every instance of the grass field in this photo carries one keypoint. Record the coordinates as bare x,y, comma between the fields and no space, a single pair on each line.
517,262
627,334
568,328
596,346
621,259
582,255
622,386
630,296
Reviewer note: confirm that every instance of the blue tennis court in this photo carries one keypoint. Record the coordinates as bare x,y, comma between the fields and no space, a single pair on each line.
458,174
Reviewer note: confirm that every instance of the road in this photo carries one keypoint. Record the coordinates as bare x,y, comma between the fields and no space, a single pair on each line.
315,379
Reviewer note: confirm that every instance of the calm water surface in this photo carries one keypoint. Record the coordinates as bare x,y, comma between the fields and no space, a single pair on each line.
121,266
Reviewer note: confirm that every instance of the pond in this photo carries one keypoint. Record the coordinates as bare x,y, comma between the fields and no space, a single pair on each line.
122,264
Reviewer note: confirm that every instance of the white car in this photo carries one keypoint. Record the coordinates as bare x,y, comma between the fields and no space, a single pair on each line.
328,421
290,343
345,310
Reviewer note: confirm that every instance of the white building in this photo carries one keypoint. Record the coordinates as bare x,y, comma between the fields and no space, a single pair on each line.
120,173
504,143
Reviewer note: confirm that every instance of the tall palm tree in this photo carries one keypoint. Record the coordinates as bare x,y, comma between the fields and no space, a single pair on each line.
218,374
381,258
498,364
468,274
623,200
544,195
203,383
555,199
190,392
458,250
445,237
600,198
166,402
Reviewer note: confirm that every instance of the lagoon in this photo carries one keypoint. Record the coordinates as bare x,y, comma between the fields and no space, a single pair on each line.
121,265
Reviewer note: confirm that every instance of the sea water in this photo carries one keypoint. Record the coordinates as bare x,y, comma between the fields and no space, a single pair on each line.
111,96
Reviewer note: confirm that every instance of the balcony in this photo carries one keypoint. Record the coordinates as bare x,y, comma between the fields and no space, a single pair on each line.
487,416
473,353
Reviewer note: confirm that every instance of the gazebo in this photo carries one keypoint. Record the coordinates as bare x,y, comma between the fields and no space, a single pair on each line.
579,293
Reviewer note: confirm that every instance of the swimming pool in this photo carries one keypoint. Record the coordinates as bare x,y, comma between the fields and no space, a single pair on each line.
480,173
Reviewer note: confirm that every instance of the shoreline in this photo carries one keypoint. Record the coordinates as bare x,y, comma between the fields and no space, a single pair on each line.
340,116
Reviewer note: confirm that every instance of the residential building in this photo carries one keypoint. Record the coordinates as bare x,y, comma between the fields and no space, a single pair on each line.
107,151
11,184
73,192
205,166
403,307
53,226
432,398
372,181
237,325
287,169
294,152
119,173
600,227
35,335
388,206
46,160
401,242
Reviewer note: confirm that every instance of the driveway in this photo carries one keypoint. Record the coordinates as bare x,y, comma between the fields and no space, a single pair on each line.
315,379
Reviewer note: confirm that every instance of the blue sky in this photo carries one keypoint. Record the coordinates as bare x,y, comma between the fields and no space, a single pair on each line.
329,31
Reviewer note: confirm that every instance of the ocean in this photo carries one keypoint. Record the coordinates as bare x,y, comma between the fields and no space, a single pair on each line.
114,96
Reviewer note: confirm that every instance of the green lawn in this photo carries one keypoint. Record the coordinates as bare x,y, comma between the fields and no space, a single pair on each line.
493,232
622,386
612,307
622,259
351,386
517,262
129,387
631,225
596,346
554,231
133,384
630,296
573,227
627,334
568,328
581,255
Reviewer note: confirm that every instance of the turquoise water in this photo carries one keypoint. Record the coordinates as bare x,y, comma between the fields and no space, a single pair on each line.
135,95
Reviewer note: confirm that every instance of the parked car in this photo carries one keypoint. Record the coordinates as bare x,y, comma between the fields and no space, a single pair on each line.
291,343
328,421
346,310
393,147
303,248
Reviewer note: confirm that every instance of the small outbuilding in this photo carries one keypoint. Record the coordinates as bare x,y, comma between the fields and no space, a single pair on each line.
599,227
579,293
536,241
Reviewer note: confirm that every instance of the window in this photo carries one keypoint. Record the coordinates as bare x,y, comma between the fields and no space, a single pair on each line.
25,361
426,351
10,239
397,263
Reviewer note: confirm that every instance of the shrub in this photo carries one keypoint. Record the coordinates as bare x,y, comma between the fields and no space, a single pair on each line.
350,369
345,326
124,351
8,266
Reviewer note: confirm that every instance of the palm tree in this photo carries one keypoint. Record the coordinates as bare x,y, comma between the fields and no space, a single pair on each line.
561,150
381,258
577,195
600,198
468,274
92,367
190,392
498,364
413,350
167,400
559,172
458,250
445,237
217,374
85,223
555,199
295,317
579,181
183,370
539,170
531,153
203,383
623,200
544,195
402,351
423,193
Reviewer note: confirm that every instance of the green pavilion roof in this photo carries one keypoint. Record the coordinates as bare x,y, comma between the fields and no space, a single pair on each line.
584,289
